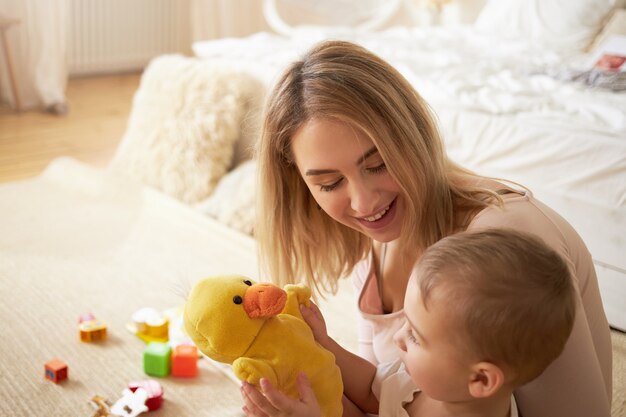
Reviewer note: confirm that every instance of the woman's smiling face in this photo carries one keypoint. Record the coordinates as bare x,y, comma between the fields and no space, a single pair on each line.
348,178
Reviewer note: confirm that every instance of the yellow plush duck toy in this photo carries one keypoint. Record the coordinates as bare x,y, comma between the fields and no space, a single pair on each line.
258,328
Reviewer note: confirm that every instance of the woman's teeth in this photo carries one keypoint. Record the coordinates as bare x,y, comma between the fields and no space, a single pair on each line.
377,215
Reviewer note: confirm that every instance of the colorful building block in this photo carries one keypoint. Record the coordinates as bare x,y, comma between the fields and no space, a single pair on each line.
157,329
154,390
92,330
157,359
55,370
185,361
150,325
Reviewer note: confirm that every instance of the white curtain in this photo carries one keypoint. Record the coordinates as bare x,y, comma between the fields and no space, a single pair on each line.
38,45
212,19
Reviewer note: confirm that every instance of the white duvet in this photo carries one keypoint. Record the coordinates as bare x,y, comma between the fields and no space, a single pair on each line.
499,109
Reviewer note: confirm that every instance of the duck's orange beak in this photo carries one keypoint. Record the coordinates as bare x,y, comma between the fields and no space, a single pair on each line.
264,300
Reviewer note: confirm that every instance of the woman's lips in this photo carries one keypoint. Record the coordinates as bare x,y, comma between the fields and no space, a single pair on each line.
381,219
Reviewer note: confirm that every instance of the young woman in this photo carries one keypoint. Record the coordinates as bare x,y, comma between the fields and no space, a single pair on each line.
354,179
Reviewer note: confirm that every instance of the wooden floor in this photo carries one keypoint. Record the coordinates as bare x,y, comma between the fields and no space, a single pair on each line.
98,112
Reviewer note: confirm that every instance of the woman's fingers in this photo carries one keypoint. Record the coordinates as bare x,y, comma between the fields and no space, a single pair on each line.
312,316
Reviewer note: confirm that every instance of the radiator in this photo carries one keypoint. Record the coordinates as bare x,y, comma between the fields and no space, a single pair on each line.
108,36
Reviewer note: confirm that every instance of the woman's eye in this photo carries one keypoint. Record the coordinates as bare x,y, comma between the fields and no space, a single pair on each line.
377,168
330,187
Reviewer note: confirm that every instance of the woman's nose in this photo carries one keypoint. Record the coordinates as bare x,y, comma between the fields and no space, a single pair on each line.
363,198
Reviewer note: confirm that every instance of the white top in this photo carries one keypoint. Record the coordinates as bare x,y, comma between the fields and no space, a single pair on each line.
394,389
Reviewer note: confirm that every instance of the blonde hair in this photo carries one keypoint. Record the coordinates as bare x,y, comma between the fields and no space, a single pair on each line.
344,82
511,296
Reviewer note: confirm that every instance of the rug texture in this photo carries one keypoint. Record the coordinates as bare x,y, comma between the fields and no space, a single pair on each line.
78,240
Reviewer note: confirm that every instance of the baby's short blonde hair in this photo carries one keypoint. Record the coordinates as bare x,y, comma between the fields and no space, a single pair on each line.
510,297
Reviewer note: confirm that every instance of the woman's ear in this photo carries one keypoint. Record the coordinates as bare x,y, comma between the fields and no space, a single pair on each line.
485,380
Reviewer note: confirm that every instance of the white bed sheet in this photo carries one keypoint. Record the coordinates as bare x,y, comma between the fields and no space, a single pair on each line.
502,115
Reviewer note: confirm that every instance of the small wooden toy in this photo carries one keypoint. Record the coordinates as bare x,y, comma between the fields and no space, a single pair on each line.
185,361
92,330
102,406
55,370
157,359
131,404
150,325
157,329
154,390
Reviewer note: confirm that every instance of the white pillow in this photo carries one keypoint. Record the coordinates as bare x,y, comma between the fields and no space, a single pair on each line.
186,117
564,25
232,202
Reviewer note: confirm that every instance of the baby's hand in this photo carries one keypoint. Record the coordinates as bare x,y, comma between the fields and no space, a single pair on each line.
314,318
273,403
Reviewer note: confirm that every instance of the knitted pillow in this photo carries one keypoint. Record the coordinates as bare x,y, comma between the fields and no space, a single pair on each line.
186,118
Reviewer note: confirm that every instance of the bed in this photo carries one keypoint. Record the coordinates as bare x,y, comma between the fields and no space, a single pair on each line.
511,104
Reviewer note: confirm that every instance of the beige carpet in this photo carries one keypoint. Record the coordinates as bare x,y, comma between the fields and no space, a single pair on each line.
78,240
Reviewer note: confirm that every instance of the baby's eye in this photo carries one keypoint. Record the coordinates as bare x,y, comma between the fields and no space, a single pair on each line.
411,338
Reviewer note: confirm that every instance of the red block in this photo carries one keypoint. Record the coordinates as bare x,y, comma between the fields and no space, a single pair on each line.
185,361
55,370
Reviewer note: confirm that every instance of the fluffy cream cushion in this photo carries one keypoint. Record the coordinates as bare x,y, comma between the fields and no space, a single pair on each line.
186,118
232,202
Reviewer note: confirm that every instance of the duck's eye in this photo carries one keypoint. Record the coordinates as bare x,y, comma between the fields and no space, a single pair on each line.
237,299
247,282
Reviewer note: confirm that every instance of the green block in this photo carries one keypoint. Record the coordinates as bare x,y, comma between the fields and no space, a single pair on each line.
157,359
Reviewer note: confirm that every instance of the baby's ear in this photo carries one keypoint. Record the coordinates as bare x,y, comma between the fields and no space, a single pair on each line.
485,380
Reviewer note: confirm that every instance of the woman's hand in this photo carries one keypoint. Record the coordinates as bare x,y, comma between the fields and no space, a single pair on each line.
314,318
273,403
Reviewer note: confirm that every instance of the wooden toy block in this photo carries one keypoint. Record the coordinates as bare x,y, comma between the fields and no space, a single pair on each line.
157,359
92,330
55,370
150,325
185,361
143,316
154,390
157,329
